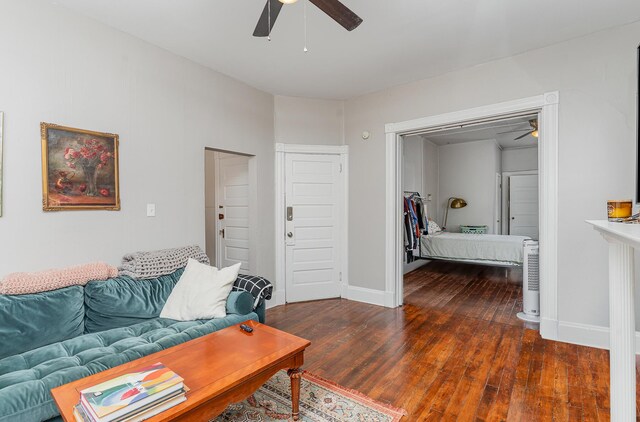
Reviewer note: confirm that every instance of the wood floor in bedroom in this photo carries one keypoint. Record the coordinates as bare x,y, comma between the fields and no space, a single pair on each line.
454,351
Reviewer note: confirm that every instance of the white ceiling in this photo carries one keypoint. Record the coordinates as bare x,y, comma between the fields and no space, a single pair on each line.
399,41
504,132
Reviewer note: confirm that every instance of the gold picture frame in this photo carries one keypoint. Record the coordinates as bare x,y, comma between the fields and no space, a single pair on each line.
79,169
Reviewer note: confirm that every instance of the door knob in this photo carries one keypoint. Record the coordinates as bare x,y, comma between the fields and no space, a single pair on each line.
290,234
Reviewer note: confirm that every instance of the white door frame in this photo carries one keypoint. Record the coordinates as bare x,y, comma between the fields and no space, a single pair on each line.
216,160
547,107
279,296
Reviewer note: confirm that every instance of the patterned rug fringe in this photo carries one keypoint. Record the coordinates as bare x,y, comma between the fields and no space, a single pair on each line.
321,400
361,396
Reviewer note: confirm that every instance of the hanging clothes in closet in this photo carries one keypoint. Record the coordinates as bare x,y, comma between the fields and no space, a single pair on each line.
415,223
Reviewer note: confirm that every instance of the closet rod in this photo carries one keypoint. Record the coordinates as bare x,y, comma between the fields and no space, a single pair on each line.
416,195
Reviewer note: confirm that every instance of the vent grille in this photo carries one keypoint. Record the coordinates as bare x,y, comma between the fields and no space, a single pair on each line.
533,279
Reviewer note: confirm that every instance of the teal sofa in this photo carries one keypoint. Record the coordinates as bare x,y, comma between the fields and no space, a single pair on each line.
52,338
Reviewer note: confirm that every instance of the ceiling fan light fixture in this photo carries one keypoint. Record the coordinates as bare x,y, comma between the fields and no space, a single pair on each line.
535,133
333,8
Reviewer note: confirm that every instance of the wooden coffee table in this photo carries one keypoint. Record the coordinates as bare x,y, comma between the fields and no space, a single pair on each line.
219,369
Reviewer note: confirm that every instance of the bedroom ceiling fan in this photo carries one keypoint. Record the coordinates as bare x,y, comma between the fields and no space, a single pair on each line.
333,8
532,130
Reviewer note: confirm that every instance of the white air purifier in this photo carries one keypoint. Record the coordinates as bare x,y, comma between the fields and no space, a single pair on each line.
530,283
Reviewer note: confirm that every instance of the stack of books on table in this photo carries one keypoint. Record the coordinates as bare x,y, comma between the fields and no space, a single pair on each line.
132,397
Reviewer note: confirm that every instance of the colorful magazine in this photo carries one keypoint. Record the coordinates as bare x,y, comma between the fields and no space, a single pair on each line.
159,408
79,414
114,398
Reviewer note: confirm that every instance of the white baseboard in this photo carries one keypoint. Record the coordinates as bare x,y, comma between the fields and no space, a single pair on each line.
357,294
277,299
549,328
588,335
361,294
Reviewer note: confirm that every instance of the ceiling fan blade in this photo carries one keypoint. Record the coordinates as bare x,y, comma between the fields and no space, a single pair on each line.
522,136
262,28
339,13
513,131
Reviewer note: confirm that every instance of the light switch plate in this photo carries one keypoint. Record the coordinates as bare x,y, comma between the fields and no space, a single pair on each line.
151,210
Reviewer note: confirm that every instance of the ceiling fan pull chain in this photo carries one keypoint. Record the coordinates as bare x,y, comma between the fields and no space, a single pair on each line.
269,19
305,26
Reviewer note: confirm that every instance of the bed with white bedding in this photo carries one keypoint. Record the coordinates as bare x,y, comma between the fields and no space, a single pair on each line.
489,249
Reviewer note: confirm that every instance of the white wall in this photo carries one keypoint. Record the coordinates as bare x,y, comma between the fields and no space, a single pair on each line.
309,121
596,78
520,159
413,178
412,164
62,68
431,175
420,170
468,171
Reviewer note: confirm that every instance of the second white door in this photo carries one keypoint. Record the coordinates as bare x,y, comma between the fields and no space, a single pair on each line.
314,192
523,205
233,200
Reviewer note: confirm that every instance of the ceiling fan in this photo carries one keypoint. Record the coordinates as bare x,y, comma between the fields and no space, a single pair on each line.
532,130
336,11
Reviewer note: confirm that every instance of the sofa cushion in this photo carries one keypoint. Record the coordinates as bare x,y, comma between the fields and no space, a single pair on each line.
26,379
123,301
201,292
34,320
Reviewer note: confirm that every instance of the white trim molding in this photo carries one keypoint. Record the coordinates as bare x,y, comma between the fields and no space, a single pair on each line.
361,294
280,248
589,335
546,105
312,149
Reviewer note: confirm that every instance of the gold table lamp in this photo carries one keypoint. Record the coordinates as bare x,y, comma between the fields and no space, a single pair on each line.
454,203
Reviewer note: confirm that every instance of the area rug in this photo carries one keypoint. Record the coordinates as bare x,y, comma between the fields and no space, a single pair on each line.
320,401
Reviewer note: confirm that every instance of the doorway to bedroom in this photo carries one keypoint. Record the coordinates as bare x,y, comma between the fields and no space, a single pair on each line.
448,204
469,201
480,179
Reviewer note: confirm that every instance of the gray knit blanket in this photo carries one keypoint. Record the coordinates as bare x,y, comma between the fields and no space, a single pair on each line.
152,264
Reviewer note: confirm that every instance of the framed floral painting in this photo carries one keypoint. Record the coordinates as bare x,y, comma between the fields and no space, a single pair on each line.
79,169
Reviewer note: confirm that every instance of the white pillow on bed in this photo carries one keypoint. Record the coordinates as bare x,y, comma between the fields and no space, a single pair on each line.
433,227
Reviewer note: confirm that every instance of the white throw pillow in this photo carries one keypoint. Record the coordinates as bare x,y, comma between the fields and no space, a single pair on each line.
433,227
201,292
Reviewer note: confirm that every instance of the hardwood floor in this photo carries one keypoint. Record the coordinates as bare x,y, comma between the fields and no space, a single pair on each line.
454,351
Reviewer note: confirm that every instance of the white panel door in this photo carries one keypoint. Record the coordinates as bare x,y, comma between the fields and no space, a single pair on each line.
313,191
523,205
233,210
497,210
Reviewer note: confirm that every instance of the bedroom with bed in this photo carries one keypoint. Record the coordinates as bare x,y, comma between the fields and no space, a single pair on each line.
470,205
